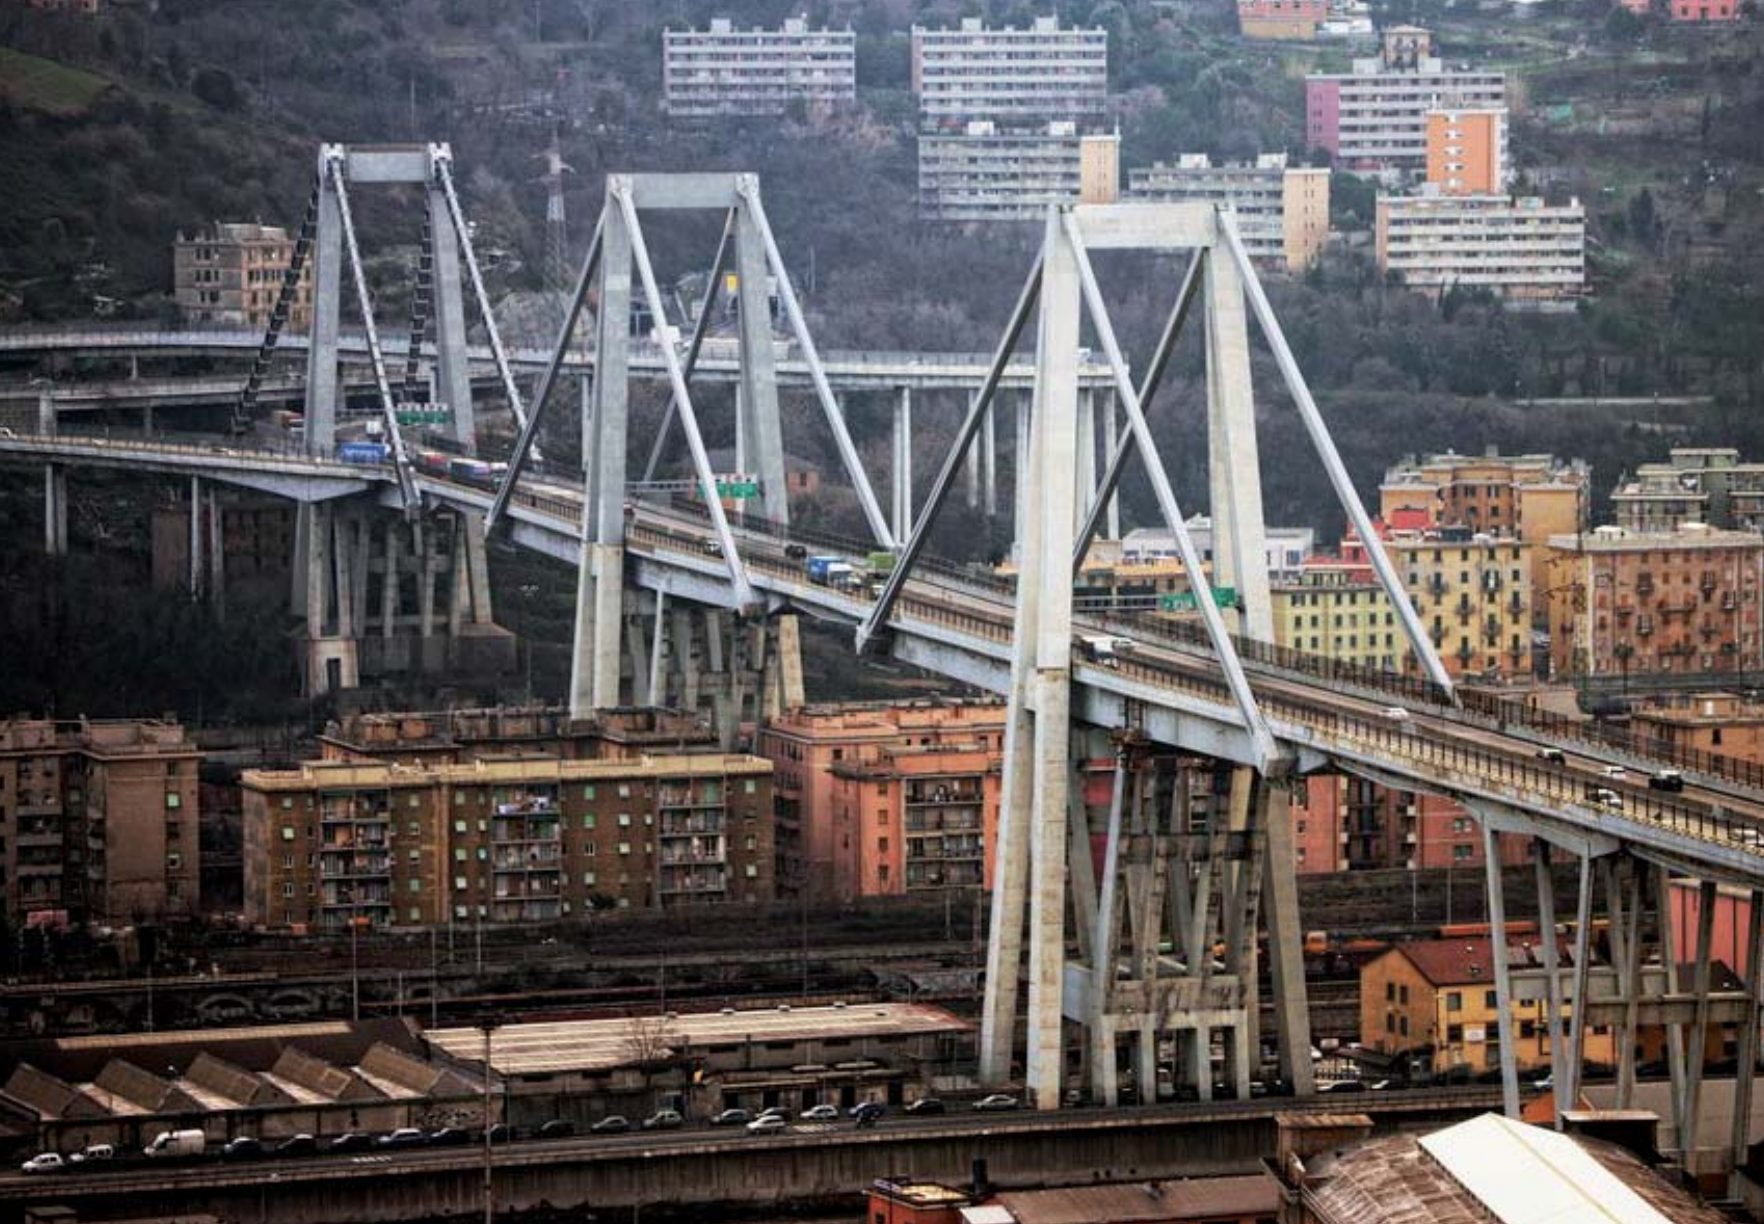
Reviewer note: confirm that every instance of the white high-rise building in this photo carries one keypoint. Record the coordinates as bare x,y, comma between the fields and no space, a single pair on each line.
984,173
1525,250
1020,76
1282,211
725,71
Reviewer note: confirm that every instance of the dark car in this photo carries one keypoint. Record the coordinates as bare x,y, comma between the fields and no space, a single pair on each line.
242,1148
617,1124
452,1136
297,1145
732,1117
795,552
925,1107
349,1141
871,1110
1343,1086
403,1137
502,1132
1667,780
557,1128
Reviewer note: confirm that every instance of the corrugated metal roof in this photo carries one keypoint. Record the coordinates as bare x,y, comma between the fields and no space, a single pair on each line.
1526,1175
599,1045
1204,1198
1400,1181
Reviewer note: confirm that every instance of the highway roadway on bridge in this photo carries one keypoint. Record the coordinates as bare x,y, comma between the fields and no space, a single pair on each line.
963,1123
961,619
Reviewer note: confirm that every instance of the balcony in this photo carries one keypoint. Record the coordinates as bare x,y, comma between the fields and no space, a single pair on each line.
536,858
958,794
943,822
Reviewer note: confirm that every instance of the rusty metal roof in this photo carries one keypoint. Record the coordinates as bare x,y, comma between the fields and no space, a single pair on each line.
1150,1202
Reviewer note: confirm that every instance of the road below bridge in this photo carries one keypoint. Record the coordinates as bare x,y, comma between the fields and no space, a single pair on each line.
828,1162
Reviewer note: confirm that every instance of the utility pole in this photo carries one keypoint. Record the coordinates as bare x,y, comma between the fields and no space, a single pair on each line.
488,1027
354,967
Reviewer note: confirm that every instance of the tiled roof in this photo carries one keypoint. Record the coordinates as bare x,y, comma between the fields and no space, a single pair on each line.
1200,1199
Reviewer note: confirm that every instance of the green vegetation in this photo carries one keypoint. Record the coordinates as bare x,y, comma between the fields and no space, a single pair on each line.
45,85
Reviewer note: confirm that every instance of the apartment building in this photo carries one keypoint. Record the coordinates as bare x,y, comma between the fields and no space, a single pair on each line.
726,71
461,736
1010,76
98,821
1287,548
1703,10
1343,823
1467,150
1695,485
1376,116
1524,250
889,798
513,839
1723,724
230,274
1533,497
1335,609
1434,1001
988,173
84,7
1282,211
1633,604
1295,20
1473,592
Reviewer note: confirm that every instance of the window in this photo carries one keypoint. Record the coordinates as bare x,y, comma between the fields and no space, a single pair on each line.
459,826
624,820
749,786
459,854
588,849
1491,1000
588,820
1390,992
458,798
1403,1025
624,790
287,832
1455,1001
589,878
415,886
1403,994
173,800
174,861
624,847
587,792
752,871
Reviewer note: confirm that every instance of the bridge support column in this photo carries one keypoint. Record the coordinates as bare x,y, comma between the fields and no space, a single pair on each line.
332,661
1240,556
1111,431
989,459
1084,454
1746,1059
903,464
48,424
1020,462
1497,930
54,510
971,472
194,580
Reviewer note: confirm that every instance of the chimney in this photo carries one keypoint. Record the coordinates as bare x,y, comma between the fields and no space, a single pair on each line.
1305,1135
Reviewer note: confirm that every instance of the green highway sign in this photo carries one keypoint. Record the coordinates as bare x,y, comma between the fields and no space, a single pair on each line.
1185,601
738,490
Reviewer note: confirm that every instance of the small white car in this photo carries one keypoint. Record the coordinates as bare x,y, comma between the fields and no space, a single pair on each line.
1396,714
1615,772
47,1162
767,1125
820,1113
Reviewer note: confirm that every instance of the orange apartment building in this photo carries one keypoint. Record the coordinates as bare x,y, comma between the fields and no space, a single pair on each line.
98,821
1343,823
1532,497
230,275
1683,602
1724,724
1467,150
515,839
1281,19
887,798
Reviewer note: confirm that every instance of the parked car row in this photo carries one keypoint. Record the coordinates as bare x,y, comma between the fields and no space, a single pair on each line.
189,1144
